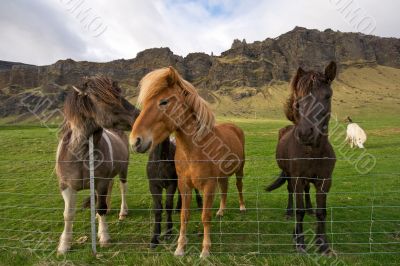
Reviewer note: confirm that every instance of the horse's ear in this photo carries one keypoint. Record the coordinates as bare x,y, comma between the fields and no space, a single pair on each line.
79,91
299,73
330,71
173,76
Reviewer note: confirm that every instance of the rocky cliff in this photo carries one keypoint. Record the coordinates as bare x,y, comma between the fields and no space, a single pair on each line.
251,65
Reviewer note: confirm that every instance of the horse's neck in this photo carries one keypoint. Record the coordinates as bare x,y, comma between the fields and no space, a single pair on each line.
189,140
76,140
310,149
161,152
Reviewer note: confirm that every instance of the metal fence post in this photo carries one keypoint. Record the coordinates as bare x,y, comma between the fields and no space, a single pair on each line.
92,195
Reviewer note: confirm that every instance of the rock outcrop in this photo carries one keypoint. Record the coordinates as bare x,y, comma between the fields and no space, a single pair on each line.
250,65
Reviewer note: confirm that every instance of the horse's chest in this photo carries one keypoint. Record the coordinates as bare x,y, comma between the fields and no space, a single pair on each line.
194,173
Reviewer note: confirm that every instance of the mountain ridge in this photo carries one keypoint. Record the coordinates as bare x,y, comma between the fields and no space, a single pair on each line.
245,66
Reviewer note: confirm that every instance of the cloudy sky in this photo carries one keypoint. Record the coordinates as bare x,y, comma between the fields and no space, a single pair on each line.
43,31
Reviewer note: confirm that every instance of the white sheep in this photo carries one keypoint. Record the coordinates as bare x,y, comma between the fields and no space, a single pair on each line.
355,134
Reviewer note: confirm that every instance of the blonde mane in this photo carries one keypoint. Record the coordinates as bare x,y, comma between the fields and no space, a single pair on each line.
158,80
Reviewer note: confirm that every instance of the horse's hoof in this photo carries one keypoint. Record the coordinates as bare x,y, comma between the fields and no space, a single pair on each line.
62,251
242,209
179,253
153,245
220,213
63,247
204,254
323,247
122,217
105,243
301,248
328,253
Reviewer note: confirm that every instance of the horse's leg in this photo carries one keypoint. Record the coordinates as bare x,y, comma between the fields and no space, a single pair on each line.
322,187
239,186
199,199
179,202
298,236
169,205
102,233
289,209
156,193
309,209
209,193
186,194
123,213
109,193
69,196
223,185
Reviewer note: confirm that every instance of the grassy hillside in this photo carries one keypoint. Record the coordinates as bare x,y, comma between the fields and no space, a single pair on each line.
358,92
363,209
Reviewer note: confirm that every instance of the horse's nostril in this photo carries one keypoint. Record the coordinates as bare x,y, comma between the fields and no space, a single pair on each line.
138,141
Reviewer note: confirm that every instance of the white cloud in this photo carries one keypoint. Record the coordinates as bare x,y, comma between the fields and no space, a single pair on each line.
41,32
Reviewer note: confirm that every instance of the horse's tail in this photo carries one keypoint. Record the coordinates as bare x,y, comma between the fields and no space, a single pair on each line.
277,183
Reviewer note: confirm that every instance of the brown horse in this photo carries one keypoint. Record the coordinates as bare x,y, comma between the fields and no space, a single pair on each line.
304,153
161,173
88,110
206,154
280,181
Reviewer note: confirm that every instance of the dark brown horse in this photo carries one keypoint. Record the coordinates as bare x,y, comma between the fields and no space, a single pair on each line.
304,153
162,175
89,109
280,181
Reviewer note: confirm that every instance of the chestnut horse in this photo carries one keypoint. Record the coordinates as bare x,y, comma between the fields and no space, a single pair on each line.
88,110
304,153
206,154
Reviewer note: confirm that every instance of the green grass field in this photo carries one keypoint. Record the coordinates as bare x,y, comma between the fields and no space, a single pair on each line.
363,222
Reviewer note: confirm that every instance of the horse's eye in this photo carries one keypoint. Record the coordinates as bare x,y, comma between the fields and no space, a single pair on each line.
163,102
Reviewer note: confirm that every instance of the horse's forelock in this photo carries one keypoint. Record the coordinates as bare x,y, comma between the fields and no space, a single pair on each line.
300,86
152,84
158,80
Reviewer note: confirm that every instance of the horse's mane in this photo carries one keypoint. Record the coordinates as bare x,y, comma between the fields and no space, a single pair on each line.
158,80
301,85
79,109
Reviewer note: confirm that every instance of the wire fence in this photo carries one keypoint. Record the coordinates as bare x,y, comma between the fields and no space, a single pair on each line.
363,213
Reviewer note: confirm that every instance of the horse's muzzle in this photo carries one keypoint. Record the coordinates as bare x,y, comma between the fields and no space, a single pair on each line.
140,145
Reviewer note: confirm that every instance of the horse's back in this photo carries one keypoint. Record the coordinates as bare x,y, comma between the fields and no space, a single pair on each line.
111,146
232,136
230,131
119,142
284,130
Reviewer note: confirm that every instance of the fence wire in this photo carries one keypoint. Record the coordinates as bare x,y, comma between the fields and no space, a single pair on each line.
362,219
